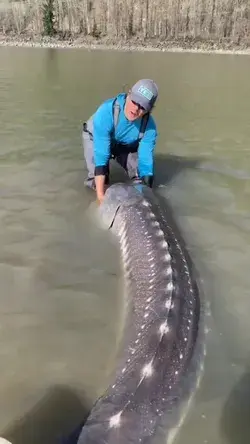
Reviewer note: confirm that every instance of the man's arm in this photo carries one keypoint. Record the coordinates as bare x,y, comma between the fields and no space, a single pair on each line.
100,187
146,153
102,127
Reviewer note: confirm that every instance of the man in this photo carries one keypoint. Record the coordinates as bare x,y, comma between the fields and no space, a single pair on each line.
124,129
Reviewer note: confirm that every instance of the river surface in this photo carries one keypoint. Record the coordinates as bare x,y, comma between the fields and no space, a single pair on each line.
61,301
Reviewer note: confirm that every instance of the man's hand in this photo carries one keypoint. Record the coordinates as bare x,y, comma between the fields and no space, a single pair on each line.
100,199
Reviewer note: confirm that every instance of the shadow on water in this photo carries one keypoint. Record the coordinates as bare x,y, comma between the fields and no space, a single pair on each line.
56,419
167,167
236,413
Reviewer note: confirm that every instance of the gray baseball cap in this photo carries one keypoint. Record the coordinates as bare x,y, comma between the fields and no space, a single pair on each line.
145,93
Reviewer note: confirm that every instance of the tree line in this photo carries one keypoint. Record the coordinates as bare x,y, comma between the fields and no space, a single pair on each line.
129,19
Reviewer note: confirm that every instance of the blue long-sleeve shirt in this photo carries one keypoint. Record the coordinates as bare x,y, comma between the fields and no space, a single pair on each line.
126,132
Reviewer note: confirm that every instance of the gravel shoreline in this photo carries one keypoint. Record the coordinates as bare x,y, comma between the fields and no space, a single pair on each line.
131,45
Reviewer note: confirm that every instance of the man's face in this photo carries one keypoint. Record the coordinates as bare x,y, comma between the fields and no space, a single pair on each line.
133,110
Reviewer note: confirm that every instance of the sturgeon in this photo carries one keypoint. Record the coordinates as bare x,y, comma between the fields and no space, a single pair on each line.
158,361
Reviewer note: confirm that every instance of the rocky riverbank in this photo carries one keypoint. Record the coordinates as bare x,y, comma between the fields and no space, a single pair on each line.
185,45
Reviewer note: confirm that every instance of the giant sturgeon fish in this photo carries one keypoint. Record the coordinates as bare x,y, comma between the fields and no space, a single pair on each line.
161,347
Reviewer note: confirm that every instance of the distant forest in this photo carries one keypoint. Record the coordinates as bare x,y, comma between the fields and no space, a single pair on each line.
157,20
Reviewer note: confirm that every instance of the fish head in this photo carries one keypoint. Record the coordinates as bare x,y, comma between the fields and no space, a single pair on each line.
117,197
